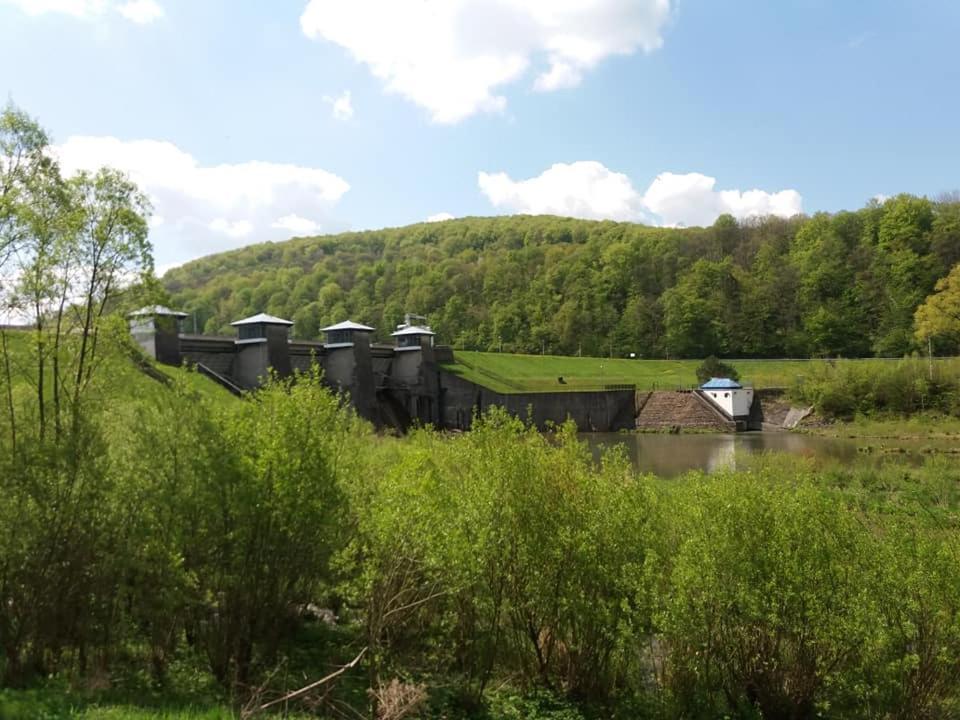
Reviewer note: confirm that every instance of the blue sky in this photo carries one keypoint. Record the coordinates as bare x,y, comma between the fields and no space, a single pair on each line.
233,116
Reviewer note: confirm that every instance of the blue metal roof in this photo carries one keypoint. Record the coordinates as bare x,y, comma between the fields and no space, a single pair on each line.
721,384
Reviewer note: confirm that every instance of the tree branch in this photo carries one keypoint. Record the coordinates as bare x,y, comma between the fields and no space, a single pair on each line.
246,713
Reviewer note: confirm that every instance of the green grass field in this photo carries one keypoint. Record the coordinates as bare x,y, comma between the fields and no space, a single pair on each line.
122,378
508,373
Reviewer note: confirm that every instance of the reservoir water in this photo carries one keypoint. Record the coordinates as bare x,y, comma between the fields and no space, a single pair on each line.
670,455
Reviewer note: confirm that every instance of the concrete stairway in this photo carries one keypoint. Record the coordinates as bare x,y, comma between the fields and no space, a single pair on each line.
680,409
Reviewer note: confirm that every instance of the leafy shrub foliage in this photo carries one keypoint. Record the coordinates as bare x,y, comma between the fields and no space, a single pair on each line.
843,389
499,568
713,367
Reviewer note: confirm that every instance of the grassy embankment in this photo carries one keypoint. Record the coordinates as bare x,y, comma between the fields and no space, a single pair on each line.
923,426
505,372
126,380
510,373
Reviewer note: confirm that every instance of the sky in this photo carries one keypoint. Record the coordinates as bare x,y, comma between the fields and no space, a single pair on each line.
246,121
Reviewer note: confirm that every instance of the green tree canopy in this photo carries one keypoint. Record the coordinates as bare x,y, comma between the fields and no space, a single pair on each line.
844,284
939,315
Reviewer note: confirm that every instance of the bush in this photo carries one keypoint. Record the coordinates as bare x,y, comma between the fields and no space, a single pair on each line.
844,388
770,610
515,554
713,367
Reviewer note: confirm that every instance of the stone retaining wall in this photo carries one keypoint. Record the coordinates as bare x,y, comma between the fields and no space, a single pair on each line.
669,409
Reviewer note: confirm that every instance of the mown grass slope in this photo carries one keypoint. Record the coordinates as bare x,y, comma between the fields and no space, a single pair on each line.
123,378
505,372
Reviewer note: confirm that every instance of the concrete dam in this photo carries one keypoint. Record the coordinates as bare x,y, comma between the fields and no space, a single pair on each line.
403,384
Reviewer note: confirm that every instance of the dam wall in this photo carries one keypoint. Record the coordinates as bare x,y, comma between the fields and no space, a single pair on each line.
677,410
400,389
405,384
590,410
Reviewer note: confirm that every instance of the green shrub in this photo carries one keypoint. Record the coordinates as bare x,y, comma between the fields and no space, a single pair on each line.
713,367
769,610
843,389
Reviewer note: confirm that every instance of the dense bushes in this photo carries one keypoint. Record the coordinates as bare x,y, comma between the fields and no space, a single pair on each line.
518,555
770,608
249,513
844,389
500,568
168,523
758,594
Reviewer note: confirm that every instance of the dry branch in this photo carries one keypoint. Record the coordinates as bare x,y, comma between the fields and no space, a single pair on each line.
250,712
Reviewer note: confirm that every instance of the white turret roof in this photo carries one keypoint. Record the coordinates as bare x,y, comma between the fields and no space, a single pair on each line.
261,319
412,330
157,310
347,325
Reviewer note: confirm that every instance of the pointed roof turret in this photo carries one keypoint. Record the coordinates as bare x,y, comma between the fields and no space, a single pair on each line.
159,310
412,330
261,319
347,325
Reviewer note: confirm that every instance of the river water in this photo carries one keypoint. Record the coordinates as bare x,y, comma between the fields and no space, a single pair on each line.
671,455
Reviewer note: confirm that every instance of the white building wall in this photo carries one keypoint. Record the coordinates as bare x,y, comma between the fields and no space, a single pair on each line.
735,403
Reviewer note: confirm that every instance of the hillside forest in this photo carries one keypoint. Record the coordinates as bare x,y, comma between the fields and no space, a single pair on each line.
846,284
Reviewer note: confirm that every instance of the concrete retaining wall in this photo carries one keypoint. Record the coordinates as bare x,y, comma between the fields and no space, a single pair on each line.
397,389
217,354
776,411
303,355
678,409
592,411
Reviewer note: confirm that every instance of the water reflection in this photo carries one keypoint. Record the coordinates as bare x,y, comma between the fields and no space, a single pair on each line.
671,455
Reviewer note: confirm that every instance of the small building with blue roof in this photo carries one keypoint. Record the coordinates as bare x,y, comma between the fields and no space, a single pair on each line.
729,395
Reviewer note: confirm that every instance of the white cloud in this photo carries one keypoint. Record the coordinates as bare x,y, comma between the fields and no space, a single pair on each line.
236,229
161,270
141,12
297,225
440,217
587,189
341,106
138,11
560,75
210,208
690,199
583,189
452,57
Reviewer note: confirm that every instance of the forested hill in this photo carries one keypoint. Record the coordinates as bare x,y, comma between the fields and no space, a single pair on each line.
846,284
